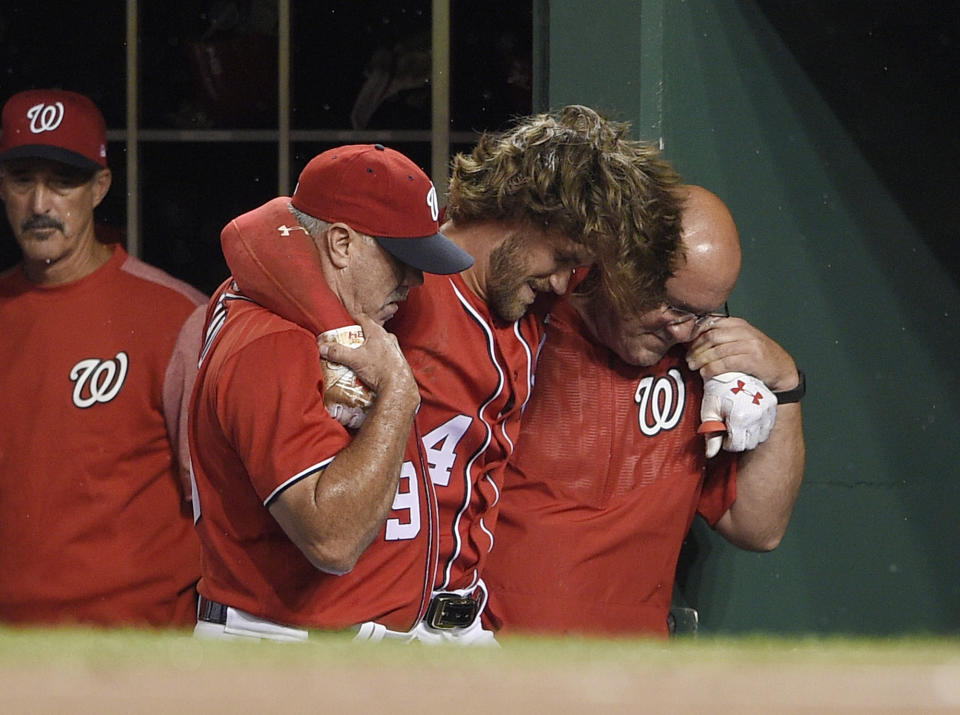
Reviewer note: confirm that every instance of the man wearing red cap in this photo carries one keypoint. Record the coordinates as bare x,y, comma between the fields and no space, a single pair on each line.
310,516
99,351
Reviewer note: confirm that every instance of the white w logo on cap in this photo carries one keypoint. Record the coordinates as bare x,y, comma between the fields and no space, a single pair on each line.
433,202
45,117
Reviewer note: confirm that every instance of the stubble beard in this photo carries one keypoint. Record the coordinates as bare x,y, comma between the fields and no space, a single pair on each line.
506,281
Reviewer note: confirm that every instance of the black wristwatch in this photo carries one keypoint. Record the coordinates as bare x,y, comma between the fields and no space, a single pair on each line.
796,393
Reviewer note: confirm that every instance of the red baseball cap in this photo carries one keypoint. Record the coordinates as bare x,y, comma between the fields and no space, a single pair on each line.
54,124
380,192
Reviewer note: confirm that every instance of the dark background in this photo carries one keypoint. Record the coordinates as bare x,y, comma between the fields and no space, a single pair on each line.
211,67
890,71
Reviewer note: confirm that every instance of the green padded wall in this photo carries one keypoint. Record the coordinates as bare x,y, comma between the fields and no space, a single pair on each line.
833,270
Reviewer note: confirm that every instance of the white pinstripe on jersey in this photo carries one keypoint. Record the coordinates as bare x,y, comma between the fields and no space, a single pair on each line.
468,486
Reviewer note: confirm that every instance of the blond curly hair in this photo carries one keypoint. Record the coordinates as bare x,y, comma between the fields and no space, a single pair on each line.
577,172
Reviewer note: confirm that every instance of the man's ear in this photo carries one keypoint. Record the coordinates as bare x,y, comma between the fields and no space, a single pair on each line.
101,185
337,240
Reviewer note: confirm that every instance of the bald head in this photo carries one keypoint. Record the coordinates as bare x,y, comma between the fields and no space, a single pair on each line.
701,284
711,248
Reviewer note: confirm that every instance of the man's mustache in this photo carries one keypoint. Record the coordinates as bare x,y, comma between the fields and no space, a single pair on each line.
34,222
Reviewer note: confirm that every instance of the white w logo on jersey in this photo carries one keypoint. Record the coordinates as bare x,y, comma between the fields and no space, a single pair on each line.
661,402
97,380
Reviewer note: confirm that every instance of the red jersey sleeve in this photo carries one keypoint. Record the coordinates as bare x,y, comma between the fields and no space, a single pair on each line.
270,406
178,381
719,487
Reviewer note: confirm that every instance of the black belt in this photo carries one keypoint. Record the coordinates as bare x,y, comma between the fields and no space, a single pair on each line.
448,610
212,612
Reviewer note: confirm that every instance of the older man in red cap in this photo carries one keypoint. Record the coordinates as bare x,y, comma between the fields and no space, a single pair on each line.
310,518
99,350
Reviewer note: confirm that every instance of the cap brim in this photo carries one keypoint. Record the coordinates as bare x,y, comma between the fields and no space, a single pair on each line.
51,153
431,254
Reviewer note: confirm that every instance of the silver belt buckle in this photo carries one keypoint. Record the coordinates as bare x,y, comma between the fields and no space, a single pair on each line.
448,610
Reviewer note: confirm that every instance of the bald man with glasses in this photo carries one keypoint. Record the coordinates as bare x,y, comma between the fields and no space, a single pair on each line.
611,468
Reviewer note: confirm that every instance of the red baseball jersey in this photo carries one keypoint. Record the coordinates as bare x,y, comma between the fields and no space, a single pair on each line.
608,474
475,374
258,425
94,526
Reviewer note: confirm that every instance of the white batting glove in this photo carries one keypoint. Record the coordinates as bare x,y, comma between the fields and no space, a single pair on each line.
743,407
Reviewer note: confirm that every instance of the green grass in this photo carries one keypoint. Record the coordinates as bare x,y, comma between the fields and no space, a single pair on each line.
105,648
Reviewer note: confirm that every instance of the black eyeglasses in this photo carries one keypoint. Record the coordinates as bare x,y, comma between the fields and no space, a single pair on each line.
680,316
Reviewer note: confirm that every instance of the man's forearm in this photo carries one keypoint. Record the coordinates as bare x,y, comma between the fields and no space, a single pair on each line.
333,516
768,481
